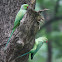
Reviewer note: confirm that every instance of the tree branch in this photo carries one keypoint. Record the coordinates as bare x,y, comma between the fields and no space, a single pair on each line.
56,7
55,19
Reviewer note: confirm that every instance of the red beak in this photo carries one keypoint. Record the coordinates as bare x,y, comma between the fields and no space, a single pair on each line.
27,7
46,41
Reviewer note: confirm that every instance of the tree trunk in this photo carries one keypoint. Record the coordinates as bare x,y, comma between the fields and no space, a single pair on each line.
23,38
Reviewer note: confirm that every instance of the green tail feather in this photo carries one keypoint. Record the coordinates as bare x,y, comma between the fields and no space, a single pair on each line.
9,38
23,55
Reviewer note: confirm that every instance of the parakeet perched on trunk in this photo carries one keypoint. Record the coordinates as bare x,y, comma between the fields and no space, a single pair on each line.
38,43
18,18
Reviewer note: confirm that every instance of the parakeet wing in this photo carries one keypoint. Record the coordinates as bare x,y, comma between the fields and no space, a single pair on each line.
38,47
19,17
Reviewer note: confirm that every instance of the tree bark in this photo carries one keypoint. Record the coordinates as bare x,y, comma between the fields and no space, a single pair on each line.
23,38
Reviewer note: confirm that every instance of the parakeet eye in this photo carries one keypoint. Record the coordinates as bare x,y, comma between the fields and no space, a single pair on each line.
26,6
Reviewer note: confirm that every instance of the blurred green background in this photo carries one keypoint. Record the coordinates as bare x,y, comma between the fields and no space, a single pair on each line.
52,29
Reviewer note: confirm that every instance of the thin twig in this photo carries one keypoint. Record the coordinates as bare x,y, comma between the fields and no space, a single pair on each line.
55,19
43,10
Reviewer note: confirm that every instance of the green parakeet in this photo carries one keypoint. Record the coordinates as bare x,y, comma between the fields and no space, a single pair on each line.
38,43
18,18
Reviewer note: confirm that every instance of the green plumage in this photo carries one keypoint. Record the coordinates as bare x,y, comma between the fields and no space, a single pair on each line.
38,43
37,48
9,39
18,18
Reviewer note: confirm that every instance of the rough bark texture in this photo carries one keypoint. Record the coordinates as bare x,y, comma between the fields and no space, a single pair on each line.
23,38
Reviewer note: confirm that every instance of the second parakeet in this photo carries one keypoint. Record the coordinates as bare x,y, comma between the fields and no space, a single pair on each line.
38,43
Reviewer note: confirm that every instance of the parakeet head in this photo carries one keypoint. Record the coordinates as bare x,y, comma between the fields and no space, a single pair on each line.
24,6
45,40
42,39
